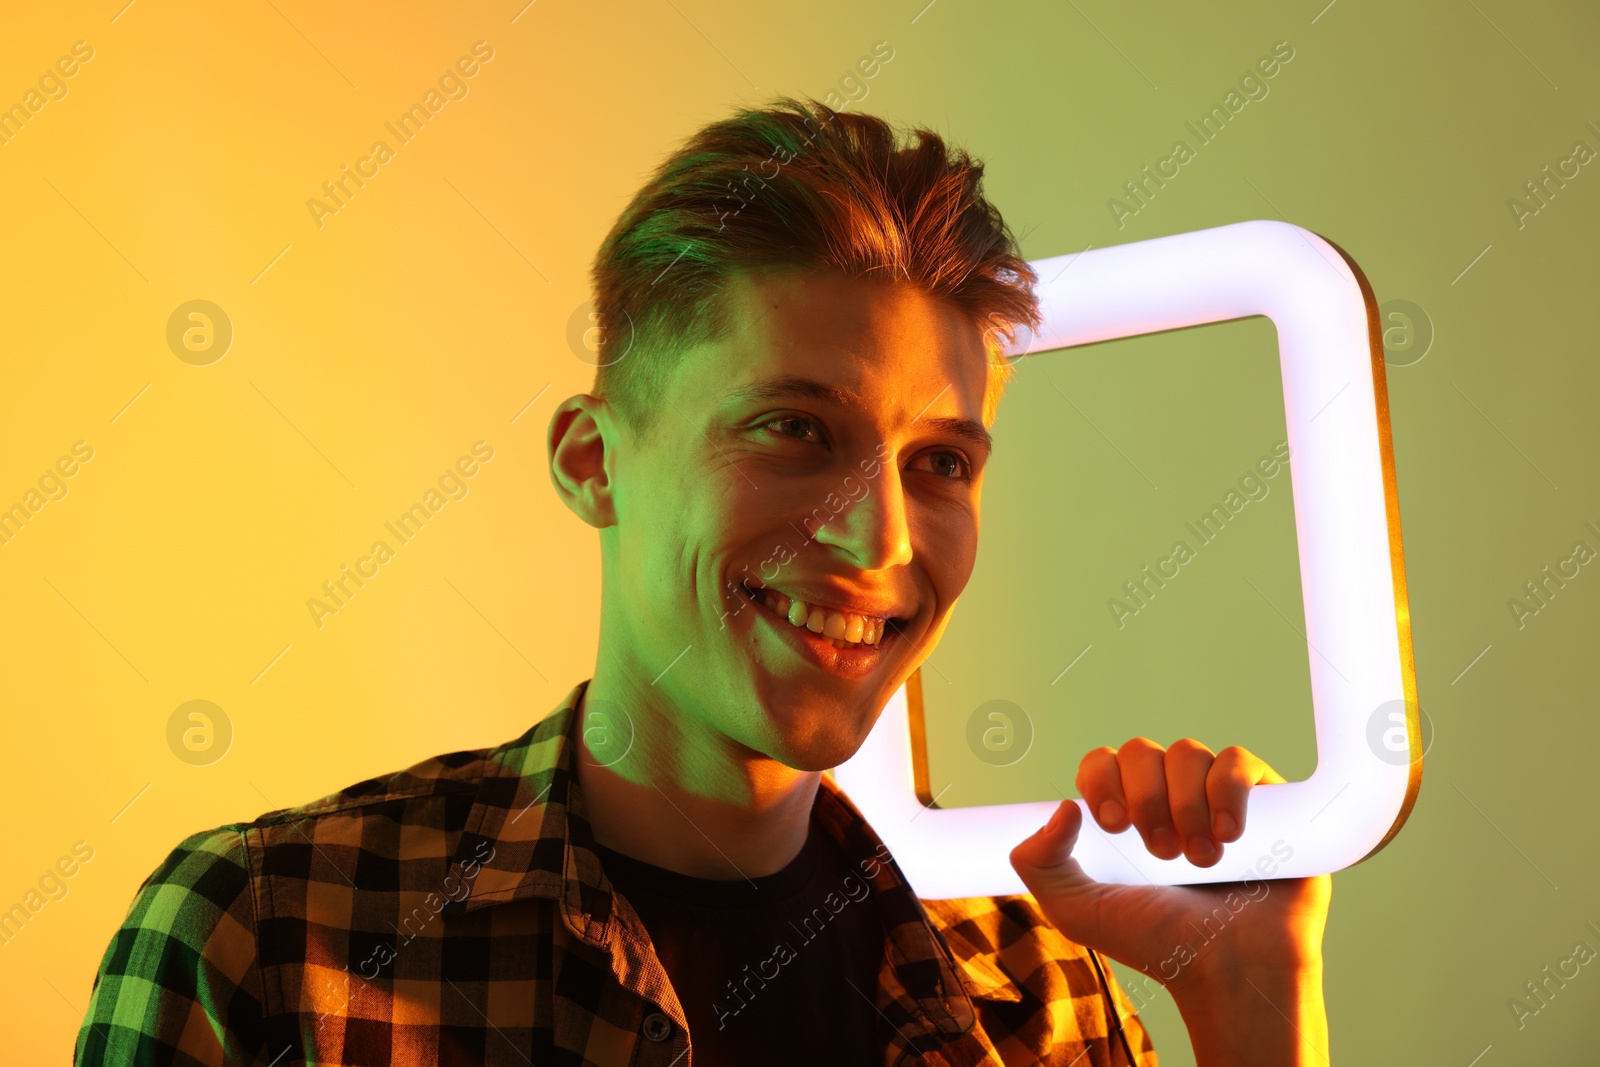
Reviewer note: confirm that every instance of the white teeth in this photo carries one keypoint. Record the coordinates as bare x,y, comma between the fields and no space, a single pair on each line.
841,629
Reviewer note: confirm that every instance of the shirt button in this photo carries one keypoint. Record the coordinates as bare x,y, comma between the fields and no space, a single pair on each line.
657,1027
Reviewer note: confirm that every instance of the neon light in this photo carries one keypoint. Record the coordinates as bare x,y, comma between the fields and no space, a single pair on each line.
1352,572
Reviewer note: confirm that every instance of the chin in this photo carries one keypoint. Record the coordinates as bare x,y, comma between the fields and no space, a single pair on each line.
819,744
815,758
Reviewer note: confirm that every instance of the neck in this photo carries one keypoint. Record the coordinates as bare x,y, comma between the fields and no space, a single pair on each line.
660,785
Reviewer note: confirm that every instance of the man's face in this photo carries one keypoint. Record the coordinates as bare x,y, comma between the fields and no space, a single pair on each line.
828,450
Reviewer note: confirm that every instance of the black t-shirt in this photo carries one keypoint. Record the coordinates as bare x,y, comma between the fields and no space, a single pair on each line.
780,969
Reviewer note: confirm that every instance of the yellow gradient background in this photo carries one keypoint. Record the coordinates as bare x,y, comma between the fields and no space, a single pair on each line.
432,312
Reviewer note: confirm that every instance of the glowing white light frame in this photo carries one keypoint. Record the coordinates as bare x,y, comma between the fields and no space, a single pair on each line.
1352,571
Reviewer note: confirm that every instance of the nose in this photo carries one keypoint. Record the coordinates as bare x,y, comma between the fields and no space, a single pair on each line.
873,528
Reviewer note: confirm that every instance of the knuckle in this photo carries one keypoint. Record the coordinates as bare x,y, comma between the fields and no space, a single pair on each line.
1096,761
1096,770
1233,764
1187,746
1236,759
1139,746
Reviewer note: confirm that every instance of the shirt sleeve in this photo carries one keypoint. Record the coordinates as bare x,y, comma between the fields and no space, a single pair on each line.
180,983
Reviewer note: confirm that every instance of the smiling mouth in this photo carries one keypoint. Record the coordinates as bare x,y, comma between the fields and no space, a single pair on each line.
841,629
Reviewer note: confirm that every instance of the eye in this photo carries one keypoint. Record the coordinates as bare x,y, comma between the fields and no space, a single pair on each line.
948,464
798,428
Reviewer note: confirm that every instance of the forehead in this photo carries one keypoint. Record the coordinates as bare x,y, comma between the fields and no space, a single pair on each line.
888,348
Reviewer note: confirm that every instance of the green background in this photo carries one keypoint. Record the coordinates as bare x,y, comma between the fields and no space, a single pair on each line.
1399,132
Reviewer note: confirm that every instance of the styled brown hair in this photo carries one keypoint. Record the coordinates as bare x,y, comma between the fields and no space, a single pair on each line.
797,184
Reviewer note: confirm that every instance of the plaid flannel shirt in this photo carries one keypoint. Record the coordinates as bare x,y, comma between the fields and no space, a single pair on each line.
456,913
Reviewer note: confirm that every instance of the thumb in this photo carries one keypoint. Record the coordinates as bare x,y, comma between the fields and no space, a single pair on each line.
1044,861
1074,903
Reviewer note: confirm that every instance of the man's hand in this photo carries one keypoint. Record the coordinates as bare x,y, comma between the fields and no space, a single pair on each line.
1249,981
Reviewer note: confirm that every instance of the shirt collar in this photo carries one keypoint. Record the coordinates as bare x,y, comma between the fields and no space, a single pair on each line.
528,829
528,836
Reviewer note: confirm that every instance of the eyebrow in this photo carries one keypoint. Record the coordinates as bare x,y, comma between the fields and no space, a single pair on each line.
966,429
794,385
791,385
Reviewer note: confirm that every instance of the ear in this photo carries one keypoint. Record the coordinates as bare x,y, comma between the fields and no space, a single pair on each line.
580,432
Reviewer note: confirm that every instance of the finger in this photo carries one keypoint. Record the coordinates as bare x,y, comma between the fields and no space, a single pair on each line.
1187,764
1100,785
1144,783
1045,858
1228,786
1044,863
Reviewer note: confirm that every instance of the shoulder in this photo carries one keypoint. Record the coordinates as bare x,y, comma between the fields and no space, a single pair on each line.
184,970
448,774
192,891
187,942
414,814
214,866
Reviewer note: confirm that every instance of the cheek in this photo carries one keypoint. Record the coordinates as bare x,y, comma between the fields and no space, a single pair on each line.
724,532
945,541
753,520
660,535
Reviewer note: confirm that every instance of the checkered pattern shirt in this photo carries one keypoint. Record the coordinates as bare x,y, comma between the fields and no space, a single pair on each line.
456,913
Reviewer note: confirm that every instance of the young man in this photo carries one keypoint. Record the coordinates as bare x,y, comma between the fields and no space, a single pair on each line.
784,457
